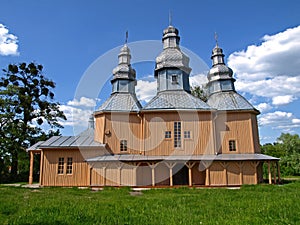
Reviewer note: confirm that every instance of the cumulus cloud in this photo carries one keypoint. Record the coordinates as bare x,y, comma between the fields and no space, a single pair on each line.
282,100
8,42
270,69
146,89
83,101
284,121
263,107
78,112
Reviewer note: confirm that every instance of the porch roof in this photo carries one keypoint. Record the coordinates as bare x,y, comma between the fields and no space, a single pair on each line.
183,158
65,142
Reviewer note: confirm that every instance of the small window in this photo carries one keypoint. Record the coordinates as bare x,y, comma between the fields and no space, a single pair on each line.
61,162
168,134
174,79
187,134
69,165
123,145
232,146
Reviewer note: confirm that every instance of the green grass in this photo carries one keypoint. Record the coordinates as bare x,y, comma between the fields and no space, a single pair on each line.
260,204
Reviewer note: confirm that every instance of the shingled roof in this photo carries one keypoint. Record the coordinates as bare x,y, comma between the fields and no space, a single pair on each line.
121,102
229,101
176,99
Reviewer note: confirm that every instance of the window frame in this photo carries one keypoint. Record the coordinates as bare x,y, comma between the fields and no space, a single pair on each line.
232,146
187,134
61,166
69,167
177,135
168,134
123,145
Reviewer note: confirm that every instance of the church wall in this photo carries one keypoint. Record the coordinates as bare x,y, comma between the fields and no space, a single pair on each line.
143,175
122,126
80,169
217,174
99,127
255,134
199,124
249,173
234,173
235,126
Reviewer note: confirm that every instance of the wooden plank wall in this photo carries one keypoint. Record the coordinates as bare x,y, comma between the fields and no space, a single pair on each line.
199,124
233,173
80,173
123,126
234,126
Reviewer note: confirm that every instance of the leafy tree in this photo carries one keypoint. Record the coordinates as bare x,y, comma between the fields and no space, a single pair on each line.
26,104
287,148
200,92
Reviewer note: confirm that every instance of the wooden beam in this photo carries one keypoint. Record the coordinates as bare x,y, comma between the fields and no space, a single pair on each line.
274,172
171,165
207,180
241,164
152,166
41,167
31,167
190,166
269,172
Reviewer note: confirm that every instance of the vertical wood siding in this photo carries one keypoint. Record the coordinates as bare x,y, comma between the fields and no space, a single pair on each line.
199,124
80,169
234,126
123,126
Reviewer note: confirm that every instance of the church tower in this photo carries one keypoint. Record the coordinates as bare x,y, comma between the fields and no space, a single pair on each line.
222,93
172,65
123,96
172,72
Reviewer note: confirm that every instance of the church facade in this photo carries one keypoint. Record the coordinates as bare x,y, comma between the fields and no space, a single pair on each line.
175,139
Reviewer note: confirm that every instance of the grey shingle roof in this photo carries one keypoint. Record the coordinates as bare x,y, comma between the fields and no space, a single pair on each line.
229,101
220,157
176,99
121,102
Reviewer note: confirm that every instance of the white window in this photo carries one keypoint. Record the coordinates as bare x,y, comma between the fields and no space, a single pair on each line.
123,146
61,162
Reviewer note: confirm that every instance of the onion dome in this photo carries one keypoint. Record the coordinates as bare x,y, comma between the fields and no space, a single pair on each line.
123,97
172,56
219,70
124,69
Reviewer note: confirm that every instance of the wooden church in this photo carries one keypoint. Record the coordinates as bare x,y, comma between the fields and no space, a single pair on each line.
175,139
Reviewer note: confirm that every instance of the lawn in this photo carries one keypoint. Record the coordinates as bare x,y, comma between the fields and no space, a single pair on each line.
258,204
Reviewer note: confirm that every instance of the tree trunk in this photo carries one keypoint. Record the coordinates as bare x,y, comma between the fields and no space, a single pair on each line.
14,164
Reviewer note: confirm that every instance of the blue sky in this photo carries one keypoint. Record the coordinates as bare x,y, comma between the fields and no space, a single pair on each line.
261,41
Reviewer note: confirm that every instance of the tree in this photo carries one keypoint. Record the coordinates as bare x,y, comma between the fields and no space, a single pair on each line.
26,104
200,92
287,148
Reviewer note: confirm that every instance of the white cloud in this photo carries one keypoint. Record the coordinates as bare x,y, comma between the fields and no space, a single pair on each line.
84,102
284,121
198,79
78,112
145,90
277,117
282,100
8,42
263,107
270,69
